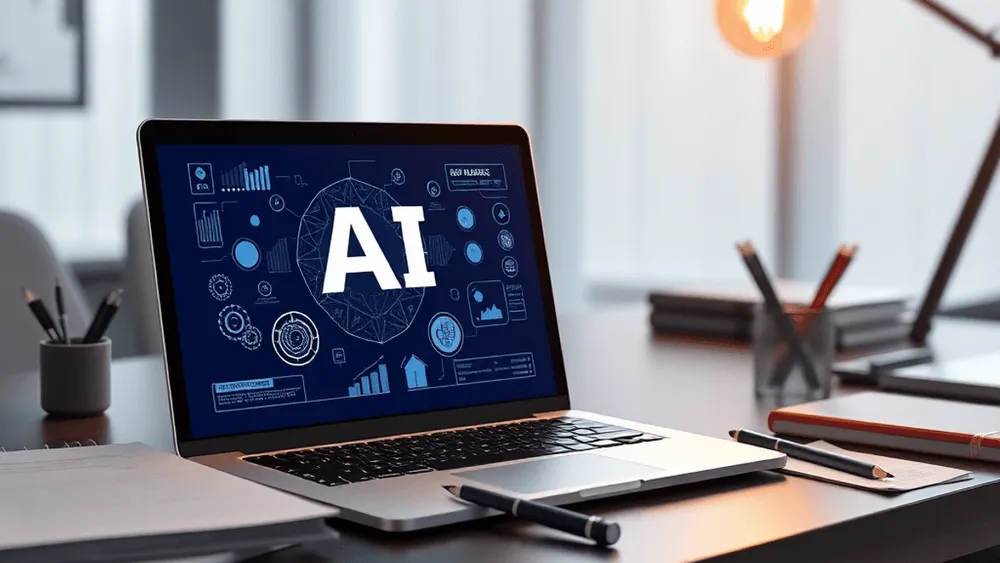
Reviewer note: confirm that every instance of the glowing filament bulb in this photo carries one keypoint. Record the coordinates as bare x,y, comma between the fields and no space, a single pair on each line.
765,18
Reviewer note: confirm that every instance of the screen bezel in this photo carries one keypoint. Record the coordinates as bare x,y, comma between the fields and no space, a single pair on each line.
155,132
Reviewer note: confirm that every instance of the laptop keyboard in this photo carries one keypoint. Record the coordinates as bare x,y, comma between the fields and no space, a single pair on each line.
454,449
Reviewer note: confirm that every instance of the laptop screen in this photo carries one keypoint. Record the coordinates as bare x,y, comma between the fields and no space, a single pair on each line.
320,284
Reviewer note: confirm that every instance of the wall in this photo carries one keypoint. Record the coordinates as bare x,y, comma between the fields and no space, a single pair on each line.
913,105
679,156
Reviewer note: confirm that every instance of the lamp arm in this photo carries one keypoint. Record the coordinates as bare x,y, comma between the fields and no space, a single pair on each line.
981,36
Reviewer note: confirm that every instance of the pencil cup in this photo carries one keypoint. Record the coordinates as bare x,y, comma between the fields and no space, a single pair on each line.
778,371
75,379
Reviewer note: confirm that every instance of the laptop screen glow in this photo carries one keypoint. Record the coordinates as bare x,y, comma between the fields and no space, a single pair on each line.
320,284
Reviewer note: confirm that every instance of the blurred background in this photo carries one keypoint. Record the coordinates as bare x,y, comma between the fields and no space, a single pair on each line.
657,145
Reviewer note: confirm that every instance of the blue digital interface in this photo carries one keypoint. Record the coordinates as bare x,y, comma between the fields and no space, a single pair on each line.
320,284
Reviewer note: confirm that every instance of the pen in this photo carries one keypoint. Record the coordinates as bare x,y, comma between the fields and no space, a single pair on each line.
113,307
836,270
810,454
103,317
41,315
591,527
61,311
781,320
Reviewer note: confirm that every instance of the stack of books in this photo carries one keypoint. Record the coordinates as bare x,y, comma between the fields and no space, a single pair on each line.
863,316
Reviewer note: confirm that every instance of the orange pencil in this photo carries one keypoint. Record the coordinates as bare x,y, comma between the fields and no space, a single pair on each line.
840,262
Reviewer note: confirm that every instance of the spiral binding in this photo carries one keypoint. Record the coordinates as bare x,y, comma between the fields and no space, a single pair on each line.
73,444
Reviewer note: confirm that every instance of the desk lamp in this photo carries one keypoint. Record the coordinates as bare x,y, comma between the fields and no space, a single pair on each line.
773,28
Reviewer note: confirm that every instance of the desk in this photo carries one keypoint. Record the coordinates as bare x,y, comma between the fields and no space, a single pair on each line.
616,367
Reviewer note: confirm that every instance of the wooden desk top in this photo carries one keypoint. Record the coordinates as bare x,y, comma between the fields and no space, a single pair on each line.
616,367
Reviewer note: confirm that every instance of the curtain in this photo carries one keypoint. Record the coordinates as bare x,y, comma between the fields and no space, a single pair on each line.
76,171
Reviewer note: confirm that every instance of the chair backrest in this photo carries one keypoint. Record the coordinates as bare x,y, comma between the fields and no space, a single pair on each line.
140,284
27,260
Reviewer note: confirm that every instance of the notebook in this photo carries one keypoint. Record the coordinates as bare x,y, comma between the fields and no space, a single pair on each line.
129,502
976,379
903,422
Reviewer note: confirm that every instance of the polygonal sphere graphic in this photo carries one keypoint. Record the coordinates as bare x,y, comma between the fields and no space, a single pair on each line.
363,309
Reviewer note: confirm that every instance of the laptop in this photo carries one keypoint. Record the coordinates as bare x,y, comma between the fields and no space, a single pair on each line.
361,313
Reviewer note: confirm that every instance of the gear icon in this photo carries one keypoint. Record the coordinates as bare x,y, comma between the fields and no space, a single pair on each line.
234,322
251,338
220,287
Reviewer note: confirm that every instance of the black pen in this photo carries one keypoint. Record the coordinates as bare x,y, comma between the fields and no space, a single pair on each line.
103,317
102,311
591,527
832,460
61,311
41,315
113,307
781,320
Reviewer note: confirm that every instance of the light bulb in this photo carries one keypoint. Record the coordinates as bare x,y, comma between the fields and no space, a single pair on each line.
764,28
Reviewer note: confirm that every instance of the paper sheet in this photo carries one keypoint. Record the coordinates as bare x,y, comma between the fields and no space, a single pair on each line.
75,494
906,475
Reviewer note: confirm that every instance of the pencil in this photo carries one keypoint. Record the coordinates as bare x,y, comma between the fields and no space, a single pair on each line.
837,267
833,274
783,323
795,450
42,315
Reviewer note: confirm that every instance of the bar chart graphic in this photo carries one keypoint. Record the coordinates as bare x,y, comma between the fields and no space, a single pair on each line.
277,258
243,179
208,225
373,380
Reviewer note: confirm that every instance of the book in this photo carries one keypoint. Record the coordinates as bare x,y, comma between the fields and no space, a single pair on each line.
689,324
976,378
874,334
902,422
741,330
849,305
129,502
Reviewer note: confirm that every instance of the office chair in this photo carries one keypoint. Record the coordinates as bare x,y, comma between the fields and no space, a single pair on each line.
140,286
27,260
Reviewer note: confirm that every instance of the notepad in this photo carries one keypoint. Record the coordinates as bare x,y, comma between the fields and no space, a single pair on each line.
99,501
906,475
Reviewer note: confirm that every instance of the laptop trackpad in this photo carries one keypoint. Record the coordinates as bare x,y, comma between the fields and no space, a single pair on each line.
576,471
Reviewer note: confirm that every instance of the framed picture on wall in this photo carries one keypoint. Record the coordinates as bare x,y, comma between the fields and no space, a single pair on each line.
42,53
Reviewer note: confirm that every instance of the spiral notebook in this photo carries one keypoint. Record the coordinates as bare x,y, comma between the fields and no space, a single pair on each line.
53,445
129,502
